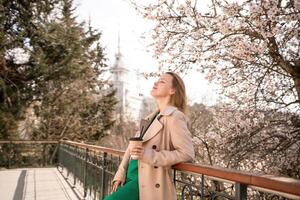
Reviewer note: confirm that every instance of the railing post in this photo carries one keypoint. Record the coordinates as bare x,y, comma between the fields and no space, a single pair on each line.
44,159
74,165
174,177
85,173
240,191
9,154
202,186
59,164
103,175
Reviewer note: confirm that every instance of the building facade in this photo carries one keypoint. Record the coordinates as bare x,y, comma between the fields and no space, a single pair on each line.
130,100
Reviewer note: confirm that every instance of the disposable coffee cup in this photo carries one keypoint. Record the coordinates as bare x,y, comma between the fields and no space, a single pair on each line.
135,142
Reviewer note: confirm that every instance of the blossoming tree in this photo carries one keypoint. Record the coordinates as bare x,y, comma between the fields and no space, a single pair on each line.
251,48
260,141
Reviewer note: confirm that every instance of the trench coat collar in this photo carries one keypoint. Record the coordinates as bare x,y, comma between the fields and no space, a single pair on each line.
156,125
168,110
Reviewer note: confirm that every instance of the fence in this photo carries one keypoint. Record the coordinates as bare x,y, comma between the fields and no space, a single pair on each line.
89,170
92,169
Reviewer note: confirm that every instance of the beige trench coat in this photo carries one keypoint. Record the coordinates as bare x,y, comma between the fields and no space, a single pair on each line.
167,142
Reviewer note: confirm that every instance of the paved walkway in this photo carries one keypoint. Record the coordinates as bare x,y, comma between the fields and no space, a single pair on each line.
34,184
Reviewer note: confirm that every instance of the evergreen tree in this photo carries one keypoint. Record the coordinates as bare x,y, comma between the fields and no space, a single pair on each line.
16,76
65,61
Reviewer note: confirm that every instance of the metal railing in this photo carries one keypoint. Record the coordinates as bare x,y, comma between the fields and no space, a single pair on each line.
93,167
89,170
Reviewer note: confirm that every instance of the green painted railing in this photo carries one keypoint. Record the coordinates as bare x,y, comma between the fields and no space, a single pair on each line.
89,170
93,167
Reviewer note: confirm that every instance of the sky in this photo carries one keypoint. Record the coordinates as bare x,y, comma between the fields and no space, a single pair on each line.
113,17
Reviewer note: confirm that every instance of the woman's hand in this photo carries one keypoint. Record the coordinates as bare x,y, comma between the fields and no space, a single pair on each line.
116,184
138,152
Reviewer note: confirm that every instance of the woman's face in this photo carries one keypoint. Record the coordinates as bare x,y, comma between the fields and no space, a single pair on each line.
163,87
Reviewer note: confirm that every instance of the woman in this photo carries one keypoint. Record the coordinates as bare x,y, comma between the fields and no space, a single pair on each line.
166,142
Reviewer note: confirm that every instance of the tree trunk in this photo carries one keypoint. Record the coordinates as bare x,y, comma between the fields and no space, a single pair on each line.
297,86
53,154
44,159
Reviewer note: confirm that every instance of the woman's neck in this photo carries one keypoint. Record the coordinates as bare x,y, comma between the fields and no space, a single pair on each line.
162,103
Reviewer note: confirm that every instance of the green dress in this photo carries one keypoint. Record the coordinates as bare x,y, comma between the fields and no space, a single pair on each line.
130,190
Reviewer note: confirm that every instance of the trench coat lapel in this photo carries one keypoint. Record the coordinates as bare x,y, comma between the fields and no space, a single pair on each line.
156,125
154,128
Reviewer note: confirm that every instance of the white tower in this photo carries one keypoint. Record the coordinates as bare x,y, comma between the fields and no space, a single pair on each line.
129,97
120,82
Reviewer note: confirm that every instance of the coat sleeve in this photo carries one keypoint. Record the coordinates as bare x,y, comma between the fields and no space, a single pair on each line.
181,140
121,173
122,170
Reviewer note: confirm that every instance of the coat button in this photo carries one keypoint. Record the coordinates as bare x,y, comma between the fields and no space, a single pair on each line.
154,147
157,185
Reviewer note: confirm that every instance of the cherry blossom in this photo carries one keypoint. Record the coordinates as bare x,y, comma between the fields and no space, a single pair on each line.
251,48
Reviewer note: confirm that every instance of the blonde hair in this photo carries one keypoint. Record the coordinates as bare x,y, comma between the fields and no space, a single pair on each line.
178,99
